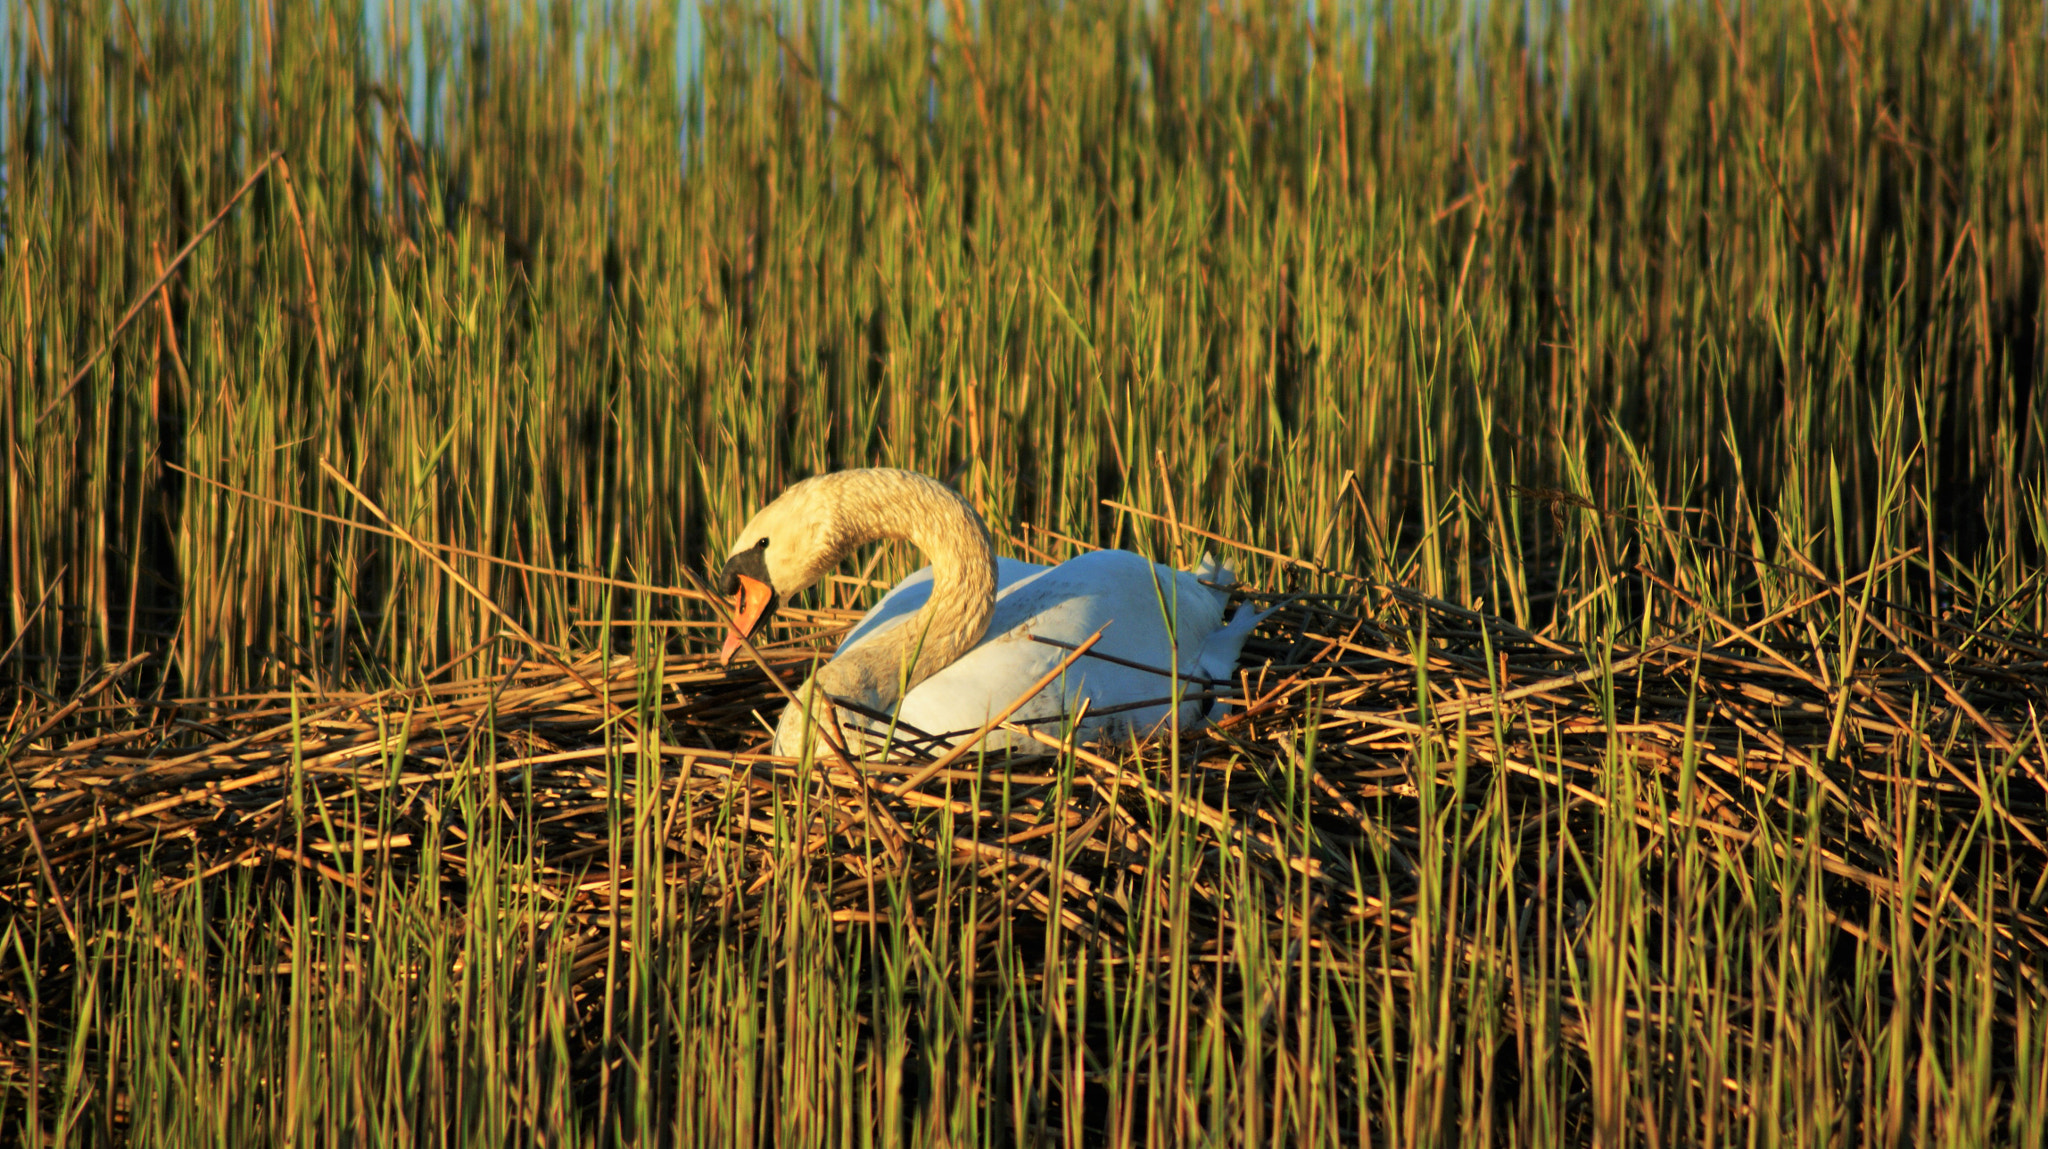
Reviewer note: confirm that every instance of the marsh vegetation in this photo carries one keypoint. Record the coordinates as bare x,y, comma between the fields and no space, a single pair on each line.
1638,406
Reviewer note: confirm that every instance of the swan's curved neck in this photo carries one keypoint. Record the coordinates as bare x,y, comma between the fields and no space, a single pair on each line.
901,505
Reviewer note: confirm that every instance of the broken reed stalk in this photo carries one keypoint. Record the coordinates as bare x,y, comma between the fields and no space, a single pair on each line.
483,599
142,299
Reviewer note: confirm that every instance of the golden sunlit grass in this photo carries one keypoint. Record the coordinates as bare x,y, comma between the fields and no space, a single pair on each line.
1638,414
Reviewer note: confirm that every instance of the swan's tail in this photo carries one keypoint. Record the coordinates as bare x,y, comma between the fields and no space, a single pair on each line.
1221,652
1216,578
1229,641
1220,580
1220,655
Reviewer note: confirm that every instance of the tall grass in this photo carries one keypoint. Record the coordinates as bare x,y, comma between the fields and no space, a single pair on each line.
1624,323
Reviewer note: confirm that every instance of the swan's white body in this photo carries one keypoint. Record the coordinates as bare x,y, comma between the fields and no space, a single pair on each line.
1042,612
971,633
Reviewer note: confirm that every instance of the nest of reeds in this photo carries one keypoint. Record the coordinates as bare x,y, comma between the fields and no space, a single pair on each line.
1356,717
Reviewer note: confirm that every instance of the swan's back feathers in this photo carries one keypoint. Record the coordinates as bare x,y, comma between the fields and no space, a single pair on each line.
1155,621
910,595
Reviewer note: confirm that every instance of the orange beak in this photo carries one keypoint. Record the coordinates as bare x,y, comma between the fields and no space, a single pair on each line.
748,607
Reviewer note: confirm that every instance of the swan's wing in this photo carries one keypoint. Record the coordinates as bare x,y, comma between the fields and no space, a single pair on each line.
1038,620
908,596
1141,607
1132,595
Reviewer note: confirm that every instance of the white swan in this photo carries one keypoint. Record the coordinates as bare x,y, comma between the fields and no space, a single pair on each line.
956,643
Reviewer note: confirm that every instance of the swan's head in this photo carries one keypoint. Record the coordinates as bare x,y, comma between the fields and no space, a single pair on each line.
785,548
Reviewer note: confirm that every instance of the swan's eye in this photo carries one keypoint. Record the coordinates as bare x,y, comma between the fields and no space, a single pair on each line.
762,545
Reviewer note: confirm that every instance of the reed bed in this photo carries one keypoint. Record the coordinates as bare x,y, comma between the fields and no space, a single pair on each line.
1942,720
